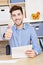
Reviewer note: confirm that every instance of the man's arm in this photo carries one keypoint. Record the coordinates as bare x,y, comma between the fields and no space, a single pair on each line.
36,46
34,41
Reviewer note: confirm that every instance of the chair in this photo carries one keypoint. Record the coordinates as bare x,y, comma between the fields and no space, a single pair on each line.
8,50
41,43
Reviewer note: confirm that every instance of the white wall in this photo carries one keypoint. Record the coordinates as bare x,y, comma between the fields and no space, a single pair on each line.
32,6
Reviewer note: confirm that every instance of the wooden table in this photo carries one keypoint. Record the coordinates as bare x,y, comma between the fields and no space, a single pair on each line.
38,60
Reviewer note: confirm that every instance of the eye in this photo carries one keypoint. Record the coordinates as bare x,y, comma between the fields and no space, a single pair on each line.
13,15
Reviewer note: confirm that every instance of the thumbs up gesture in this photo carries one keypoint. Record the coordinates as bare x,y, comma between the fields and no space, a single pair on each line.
8,33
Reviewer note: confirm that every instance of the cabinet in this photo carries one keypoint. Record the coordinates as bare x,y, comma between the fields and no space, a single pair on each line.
38,28
5,15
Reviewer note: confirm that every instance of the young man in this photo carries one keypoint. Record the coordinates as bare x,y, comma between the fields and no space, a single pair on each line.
21,34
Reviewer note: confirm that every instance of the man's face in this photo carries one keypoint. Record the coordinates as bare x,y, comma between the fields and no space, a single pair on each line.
17,17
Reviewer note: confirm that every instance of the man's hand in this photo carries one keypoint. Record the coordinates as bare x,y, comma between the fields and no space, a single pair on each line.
30,53
8,33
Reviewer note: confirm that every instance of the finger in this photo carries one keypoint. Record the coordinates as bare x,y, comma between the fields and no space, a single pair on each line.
9,26
8,35
28,50
30,54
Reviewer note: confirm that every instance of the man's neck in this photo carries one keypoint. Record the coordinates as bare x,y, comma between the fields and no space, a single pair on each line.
20,26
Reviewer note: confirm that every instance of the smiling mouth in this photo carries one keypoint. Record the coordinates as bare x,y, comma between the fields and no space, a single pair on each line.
17,20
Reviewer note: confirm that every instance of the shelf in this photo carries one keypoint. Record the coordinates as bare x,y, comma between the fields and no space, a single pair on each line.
16,1
20,4
4,2
36,21
3,24
32,21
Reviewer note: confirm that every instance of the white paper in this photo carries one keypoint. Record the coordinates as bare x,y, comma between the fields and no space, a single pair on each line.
8,61
19,52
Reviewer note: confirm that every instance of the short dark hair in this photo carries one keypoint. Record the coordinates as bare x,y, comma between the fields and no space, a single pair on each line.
16,7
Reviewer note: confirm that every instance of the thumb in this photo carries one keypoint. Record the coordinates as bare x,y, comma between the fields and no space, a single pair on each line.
9,26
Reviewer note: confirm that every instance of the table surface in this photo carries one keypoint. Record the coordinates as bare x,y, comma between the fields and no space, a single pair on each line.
38,60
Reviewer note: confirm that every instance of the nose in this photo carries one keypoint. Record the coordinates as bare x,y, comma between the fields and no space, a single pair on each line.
17,17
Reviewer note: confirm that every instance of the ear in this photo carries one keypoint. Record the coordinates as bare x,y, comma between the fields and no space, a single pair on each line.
11,17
